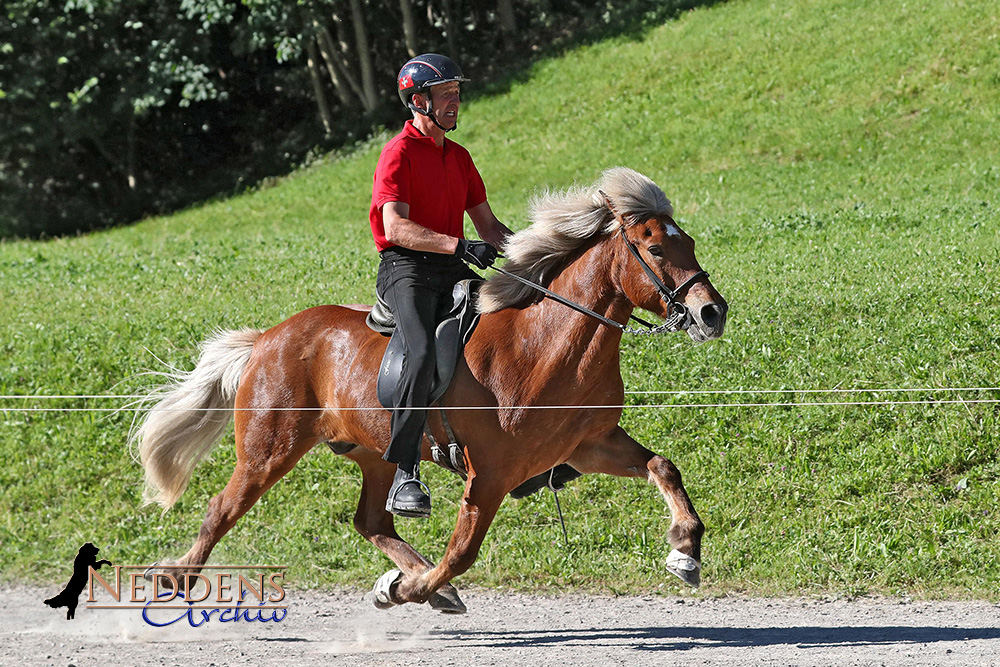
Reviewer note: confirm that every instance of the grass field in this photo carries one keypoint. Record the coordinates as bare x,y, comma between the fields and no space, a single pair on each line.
837,163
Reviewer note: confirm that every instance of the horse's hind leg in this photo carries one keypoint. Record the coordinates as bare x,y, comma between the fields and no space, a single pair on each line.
378,527
619,454
267,448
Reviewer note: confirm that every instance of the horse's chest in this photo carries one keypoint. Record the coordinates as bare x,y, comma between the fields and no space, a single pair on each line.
568,412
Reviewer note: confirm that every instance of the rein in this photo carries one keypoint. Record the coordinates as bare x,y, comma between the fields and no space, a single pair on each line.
577,307
679,317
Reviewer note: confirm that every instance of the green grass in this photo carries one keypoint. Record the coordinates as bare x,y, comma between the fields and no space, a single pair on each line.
836,162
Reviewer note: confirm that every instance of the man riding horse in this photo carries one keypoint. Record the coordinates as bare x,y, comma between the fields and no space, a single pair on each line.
530,410
424,183
555,397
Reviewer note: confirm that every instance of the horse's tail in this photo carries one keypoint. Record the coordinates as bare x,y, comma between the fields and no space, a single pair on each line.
192,411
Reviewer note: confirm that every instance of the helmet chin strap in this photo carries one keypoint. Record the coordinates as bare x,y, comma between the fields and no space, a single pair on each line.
429,112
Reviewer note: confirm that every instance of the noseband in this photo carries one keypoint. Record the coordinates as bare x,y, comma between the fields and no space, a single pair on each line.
679,317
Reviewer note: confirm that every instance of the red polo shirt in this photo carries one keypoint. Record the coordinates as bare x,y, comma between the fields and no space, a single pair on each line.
439,183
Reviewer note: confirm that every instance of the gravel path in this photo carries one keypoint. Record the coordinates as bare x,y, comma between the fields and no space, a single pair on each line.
342,628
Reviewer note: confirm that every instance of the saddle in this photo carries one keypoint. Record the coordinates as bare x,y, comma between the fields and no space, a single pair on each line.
457,319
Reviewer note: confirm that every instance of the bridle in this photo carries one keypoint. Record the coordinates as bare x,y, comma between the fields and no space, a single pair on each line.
678,319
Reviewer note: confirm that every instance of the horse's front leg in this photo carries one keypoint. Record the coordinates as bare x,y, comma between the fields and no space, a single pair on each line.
378,527
479,505
619,454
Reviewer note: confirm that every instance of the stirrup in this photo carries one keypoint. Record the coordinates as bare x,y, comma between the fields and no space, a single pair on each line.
411,512
555,479
449,457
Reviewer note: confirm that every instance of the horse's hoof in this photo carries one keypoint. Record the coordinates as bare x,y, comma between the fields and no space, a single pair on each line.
685,568
382,592
148,573
446,600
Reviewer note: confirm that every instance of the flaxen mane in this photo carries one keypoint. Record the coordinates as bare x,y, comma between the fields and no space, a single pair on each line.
561,223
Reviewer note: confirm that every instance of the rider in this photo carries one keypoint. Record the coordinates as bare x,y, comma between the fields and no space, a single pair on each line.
424,183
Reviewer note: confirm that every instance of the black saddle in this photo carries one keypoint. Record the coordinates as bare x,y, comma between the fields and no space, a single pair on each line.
457,320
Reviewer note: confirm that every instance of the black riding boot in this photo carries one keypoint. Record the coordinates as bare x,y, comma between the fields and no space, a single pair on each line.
409,496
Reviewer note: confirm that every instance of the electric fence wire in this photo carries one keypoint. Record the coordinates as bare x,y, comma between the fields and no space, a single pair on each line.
142,402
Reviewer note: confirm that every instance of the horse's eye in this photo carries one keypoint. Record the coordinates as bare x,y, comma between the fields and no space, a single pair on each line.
655,251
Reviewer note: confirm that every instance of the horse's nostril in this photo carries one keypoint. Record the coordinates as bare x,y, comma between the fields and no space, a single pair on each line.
713,314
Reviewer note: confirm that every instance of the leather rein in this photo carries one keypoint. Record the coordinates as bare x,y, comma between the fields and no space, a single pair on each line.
679,318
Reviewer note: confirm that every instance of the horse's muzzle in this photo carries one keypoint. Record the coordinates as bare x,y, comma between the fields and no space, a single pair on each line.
708,321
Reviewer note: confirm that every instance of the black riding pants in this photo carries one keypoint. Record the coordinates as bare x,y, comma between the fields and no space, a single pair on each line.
417,287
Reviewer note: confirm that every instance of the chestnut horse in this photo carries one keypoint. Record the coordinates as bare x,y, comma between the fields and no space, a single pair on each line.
529,397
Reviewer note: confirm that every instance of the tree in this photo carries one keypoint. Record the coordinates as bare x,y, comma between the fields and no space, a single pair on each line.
115,109
505,10
112,109
409,28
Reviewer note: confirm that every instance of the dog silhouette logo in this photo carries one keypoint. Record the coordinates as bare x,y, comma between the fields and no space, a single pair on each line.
70,595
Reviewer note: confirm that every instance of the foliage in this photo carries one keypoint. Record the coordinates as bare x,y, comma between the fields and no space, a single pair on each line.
112,110
840,180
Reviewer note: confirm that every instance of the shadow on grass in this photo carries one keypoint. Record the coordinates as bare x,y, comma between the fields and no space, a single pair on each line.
686,638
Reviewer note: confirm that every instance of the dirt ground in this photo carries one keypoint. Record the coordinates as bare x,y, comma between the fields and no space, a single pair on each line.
343,628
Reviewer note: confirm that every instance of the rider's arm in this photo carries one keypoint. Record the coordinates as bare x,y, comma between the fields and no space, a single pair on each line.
489,227
402,231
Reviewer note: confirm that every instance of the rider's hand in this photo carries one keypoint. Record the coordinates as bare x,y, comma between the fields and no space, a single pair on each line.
477,253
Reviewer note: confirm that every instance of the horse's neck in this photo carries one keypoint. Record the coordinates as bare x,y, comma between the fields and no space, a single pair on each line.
549,354
573,336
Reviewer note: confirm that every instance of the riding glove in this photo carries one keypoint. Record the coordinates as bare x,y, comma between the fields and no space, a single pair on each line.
477,253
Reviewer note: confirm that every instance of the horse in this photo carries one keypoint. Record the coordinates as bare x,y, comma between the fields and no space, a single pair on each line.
540,386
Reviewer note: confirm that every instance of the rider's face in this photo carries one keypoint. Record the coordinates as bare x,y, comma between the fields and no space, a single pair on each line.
446,99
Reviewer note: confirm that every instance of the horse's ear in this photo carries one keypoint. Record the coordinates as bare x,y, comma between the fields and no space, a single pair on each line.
613,209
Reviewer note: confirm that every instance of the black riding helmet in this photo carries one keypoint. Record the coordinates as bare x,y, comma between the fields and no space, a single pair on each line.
419,74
